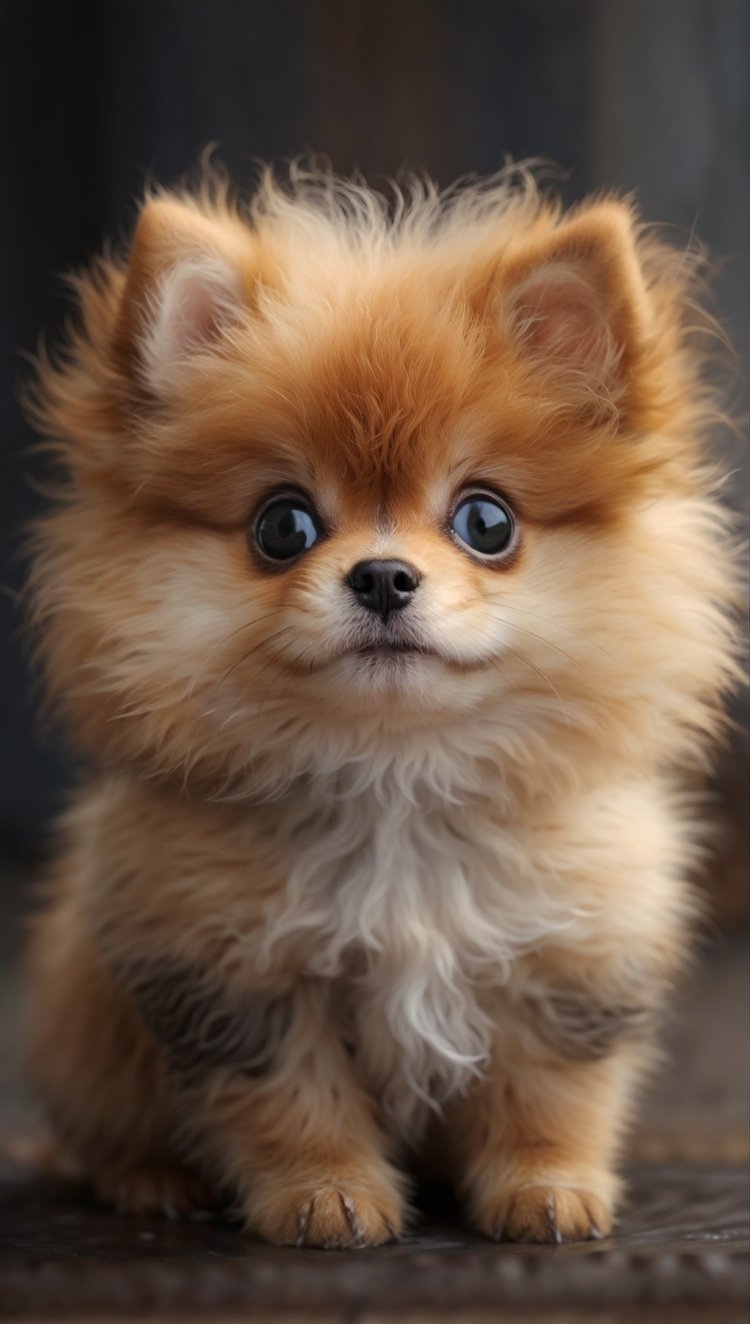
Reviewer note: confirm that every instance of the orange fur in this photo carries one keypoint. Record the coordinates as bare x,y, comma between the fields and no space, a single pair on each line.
314,897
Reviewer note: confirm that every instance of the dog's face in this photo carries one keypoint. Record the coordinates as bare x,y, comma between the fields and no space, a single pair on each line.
334,486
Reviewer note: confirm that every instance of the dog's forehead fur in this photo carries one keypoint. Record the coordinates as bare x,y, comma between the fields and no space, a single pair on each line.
371,380
382,383
377,352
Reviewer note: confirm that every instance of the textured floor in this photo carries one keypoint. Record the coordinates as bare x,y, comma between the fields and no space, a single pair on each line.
682,1241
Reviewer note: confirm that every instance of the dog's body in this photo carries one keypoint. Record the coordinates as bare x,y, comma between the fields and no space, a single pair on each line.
387,840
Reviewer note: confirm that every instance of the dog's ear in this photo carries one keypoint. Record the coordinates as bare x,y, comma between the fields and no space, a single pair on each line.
576,304
189,278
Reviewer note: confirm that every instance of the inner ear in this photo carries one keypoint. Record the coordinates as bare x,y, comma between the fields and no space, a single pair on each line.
556,313
576,304
192,304
189,278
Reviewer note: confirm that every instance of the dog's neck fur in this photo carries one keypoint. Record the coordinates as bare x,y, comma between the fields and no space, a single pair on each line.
423,888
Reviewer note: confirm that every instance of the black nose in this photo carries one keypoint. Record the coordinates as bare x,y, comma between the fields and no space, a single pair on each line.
383,586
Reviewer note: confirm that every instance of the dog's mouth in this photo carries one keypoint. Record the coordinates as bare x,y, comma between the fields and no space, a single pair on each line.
389,654
394,642
392,649
401,654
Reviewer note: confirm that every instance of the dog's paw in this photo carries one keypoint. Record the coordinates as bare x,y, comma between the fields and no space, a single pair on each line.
330,1215
169,1190
539,1213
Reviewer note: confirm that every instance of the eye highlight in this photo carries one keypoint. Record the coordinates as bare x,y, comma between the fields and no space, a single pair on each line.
484,523
286,528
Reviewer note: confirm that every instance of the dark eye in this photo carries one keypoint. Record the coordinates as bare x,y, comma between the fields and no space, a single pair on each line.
286,529
484,523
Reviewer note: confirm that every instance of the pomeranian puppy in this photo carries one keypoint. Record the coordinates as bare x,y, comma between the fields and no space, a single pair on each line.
389,596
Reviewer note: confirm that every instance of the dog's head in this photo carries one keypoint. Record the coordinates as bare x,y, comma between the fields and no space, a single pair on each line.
340,477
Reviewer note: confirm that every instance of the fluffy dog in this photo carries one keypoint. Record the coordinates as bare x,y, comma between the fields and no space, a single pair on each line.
389,596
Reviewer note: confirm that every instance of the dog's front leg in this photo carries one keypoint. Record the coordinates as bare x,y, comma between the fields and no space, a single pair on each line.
536,1142
270,1107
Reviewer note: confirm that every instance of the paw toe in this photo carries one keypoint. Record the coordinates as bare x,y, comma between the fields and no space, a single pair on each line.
548,1214
329,1216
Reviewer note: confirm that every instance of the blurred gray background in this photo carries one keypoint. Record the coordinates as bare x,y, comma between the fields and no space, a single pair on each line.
649,96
